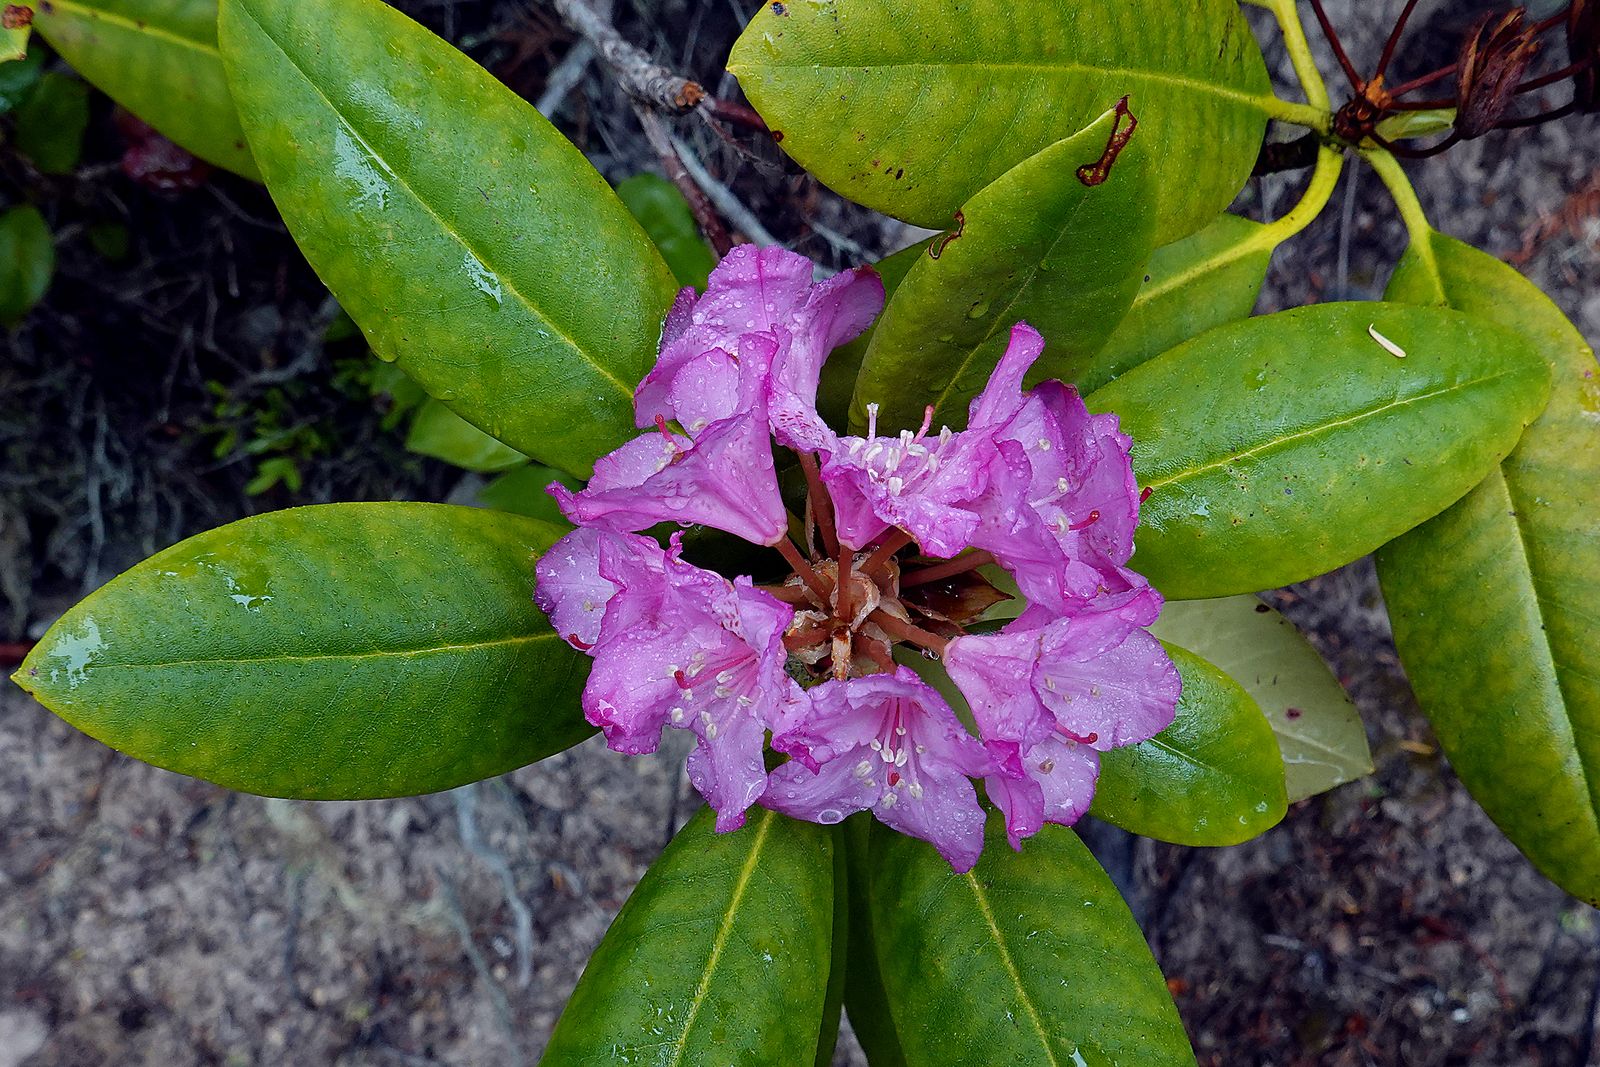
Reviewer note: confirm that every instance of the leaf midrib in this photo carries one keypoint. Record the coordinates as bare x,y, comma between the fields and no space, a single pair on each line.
486,261
1258,101
1011,968
132,26
1322,428
331,657
718,943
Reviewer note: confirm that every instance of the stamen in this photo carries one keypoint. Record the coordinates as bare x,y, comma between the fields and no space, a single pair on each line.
578,643
1094,517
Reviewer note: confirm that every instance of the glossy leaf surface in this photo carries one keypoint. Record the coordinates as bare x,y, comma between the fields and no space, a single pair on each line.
14,43
331,652
721,955
1037,245
439,432
866,1002
1206,280
18,77
1029,958
1282,447
524,491
1494,603
27,261
843,367
668,219
1214,777
468,238
912,106
158,59
1319,733
51,121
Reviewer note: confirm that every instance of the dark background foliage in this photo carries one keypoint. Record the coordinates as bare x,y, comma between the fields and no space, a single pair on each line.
185,355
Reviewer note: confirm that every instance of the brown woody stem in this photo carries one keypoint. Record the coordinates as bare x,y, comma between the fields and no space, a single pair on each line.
904,631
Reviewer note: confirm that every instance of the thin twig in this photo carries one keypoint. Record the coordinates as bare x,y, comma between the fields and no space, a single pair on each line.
677,168
743,219
640,77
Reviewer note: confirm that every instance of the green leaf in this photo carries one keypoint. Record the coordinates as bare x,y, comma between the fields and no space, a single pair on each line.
839,954
441,433
1206,280
50,122
524,491
14,43
1285,446
720,956
866,1003
332,652
18,77
1494,602
1319,733
668,219
1214,777
843,367
27,261
1029,958
158,59
469,239
912,106
1063,256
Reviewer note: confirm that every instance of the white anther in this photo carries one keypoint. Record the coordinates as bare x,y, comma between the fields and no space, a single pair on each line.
916,790
901,757
864,769
1044,444
875,744
1047,766
677,715
899,731
711,731
745,702
889,799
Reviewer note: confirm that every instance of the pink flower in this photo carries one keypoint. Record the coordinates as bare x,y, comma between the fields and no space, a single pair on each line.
723,478
890,743
676,646
1035,483
1039,694
756,295
1061,505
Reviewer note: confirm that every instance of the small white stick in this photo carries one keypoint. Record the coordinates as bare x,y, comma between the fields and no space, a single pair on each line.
1388,346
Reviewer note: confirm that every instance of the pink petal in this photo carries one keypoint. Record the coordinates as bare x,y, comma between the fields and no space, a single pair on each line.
571,589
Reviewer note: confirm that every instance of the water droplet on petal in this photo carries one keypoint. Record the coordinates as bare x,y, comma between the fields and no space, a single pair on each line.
829,816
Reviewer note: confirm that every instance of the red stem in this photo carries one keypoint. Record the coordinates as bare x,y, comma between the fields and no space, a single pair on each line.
821,503
802,567
1394,39
916,635
1338,48
841,608
896,541
961,565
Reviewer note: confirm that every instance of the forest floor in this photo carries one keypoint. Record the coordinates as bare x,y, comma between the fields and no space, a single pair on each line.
147,918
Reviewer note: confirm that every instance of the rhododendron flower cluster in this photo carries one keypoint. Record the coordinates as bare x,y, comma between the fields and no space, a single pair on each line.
905,539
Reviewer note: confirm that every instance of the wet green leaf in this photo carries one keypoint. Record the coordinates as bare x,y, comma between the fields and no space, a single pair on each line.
18,77
1064,256
866,1003
1214,777
1206,280
27,262
524,491
721,955
1282,447
912,106
469,239
843,367
1494,602
441,433
158,59
50,122
1029,958
332,652
668,219
1319,733
14,43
